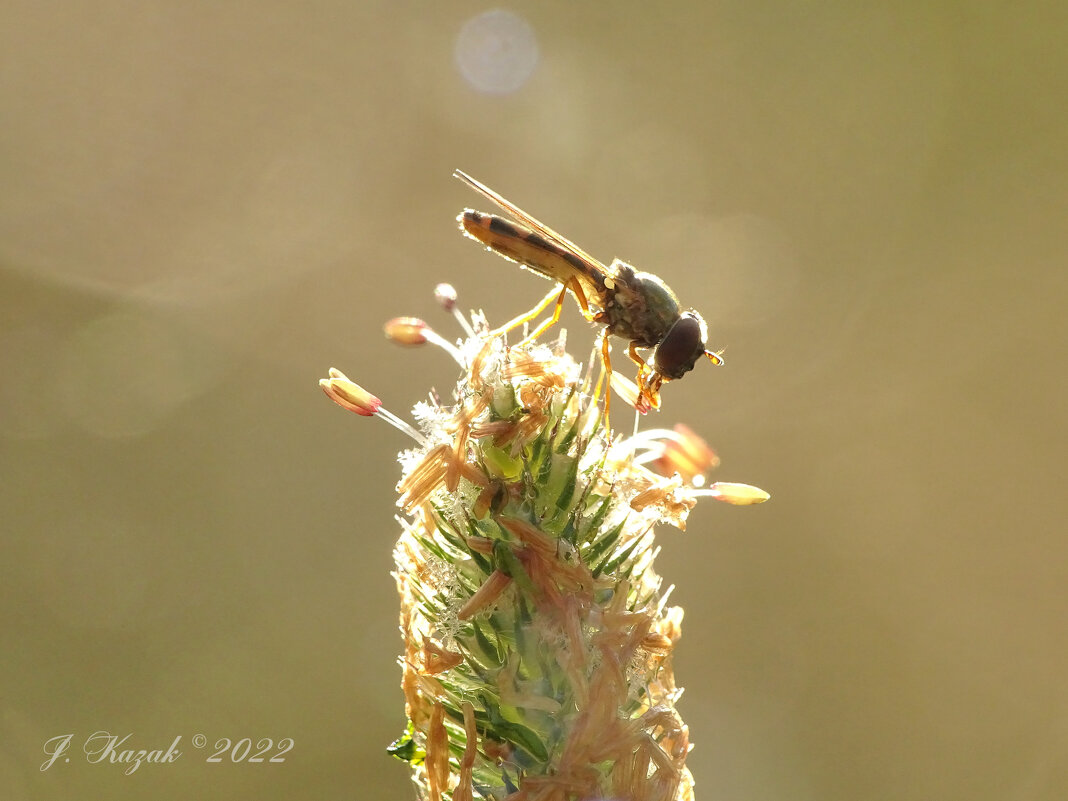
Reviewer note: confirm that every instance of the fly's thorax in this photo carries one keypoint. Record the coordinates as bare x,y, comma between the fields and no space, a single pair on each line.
639,306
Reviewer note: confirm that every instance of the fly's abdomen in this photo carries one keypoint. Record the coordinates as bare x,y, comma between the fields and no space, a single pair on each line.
528,248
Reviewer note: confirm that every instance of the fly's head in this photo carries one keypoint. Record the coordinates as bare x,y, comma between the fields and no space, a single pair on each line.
682,346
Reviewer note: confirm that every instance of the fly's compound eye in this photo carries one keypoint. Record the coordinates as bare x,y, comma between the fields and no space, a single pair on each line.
680,349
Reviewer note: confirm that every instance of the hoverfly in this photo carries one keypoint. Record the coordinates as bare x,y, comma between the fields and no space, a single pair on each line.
630,304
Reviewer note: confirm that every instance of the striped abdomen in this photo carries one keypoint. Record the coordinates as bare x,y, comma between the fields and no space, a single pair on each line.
530,249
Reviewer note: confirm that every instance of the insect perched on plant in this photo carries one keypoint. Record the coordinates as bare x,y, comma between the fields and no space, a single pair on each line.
631,304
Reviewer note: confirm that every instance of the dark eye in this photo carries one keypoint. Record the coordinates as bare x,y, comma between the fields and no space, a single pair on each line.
682,347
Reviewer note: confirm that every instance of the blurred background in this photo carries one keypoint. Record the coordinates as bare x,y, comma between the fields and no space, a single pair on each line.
203,206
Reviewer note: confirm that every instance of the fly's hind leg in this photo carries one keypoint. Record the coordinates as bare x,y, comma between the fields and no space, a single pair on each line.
526,317
546,324
575,288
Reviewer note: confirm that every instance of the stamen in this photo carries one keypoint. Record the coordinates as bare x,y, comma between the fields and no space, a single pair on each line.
445,294
736,494
463,791
400,425
411,331
347,394
680,451
632,394
485,595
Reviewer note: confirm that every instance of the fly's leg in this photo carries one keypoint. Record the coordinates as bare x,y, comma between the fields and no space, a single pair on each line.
574,286
649,380
583,302
547,324
643,366
606,360
526,317
651,390
558,296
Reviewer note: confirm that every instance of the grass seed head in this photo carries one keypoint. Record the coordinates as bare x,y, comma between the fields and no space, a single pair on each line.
538,645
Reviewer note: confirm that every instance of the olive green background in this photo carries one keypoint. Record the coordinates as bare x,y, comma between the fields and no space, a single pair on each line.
205,205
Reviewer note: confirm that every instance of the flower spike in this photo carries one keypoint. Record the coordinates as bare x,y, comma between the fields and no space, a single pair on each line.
538,640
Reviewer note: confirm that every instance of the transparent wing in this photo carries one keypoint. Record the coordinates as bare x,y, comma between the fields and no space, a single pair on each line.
536,225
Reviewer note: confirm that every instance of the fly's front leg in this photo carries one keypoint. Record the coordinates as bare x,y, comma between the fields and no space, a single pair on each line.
643,366
651,390
649,380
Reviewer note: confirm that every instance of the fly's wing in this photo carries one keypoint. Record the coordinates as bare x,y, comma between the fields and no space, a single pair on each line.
533,244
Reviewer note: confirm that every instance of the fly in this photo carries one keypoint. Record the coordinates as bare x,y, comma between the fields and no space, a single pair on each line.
630,304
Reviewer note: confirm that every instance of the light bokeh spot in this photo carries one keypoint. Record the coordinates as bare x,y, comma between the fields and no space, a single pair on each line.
496,51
